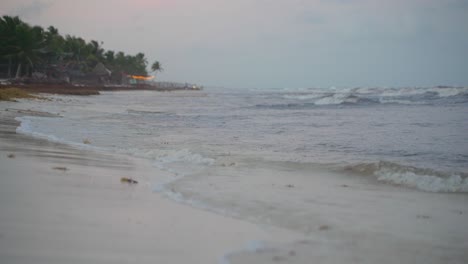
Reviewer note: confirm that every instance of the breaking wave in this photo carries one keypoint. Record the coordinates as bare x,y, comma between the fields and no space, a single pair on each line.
170,156
334,96
161,156
420,178
26,127
339,98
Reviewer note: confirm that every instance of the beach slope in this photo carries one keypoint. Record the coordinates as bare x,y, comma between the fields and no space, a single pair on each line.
63,205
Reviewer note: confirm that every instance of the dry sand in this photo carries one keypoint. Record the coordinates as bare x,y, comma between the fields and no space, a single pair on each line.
63,205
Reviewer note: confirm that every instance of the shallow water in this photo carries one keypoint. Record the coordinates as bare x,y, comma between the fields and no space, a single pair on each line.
415,137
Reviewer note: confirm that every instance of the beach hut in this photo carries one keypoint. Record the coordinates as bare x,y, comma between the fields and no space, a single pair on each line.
102,73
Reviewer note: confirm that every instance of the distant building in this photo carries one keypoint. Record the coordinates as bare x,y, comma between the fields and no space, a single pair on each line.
102,74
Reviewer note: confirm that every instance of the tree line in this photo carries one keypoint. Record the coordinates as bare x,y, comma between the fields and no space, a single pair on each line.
25,48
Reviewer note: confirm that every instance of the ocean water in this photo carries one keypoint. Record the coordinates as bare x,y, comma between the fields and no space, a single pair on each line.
217,144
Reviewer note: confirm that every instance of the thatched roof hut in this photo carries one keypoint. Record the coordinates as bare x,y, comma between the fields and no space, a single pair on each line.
101,70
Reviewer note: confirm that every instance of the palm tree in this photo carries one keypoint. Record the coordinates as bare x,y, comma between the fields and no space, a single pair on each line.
109,57
156,67
54,45
27,46
8,39
76,46
96,53
21,42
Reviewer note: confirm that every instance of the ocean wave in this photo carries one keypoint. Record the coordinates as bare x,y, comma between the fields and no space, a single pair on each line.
354,96
143,112
339,99
450,92
322,100
306,96
26,128
169,156
161,156
420,178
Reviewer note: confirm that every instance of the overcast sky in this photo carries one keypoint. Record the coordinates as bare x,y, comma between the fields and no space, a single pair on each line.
275,43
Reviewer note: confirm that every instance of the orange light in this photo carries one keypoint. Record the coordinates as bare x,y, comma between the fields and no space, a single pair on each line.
139,77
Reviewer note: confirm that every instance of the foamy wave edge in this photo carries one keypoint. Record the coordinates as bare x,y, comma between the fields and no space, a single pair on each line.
165,156
422,179
353,96
25,129
157,155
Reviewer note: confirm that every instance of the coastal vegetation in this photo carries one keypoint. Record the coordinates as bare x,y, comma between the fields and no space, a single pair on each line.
32,51
156,67
10,94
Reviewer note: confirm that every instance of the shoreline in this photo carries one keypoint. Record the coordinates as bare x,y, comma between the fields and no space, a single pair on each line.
60,204
83,90
348,219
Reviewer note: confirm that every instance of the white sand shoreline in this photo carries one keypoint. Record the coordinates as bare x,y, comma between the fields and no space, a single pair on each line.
85,215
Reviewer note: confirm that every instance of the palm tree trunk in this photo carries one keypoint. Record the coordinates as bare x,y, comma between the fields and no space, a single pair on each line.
18,71
9,67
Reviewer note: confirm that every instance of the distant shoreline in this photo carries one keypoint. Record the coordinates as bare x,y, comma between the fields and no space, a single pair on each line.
77,89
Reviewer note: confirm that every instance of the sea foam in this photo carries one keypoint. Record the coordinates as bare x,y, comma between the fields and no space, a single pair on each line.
419,178
169,155
26,127
409,95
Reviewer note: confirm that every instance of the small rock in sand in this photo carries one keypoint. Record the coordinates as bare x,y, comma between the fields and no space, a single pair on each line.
86,141
128,180
289,185
60,168
11,156
324,227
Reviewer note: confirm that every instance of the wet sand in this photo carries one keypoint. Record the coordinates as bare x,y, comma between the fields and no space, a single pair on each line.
63,205
345,218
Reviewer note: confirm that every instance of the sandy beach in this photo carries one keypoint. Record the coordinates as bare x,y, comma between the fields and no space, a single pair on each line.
234,132
60,204
64,205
